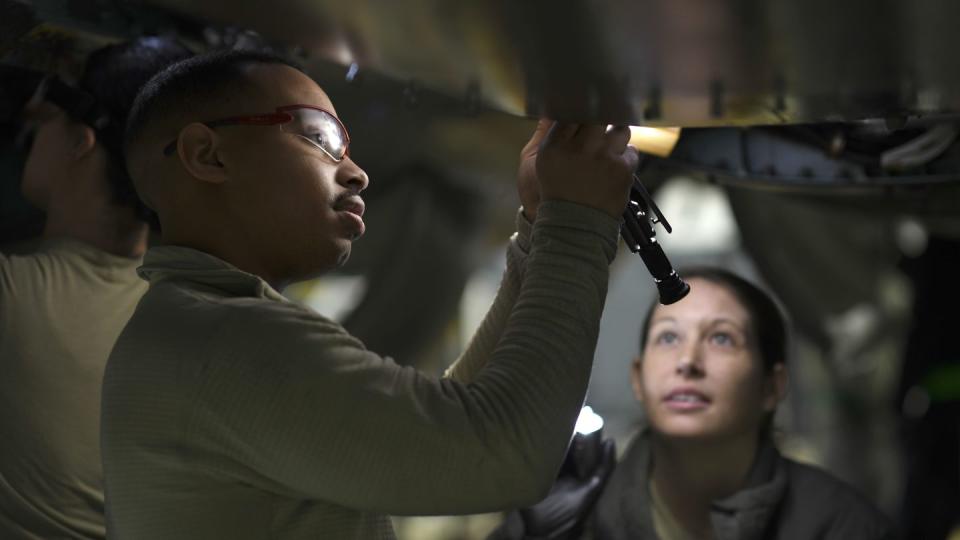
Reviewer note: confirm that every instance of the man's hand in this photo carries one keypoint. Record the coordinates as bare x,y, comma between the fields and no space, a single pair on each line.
527,185
584,164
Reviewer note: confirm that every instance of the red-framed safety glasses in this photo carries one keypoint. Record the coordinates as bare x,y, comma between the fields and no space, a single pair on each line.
318,126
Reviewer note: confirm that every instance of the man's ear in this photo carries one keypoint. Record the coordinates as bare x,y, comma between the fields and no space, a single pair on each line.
777,382
84,141
198,149
636,377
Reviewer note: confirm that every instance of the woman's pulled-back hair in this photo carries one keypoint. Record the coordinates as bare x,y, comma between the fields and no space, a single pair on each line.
114,75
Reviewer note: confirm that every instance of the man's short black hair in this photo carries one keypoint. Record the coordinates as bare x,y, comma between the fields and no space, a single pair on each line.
194,84
114,75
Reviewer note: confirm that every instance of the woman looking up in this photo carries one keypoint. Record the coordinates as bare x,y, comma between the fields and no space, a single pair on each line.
710,374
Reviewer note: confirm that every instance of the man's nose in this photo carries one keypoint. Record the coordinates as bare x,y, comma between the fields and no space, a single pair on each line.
350,175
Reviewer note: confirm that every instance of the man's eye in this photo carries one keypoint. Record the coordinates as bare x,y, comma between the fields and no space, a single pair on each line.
315,137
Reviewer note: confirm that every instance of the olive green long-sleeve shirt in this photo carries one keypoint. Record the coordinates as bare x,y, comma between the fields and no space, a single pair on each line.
230,412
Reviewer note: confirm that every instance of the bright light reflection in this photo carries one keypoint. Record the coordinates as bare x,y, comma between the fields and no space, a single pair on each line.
588,421
657,141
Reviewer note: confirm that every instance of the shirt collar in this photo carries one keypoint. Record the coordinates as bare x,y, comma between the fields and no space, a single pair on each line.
187,264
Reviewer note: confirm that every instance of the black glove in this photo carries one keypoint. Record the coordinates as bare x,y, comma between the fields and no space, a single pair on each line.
562,514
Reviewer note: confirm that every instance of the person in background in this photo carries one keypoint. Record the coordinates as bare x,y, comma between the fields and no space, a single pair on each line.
63,305
231,412
710,374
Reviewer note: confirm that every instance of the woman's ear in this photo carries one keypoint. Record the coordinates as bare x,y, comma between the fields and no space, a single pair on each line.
84,140
198,149
777,383
636,377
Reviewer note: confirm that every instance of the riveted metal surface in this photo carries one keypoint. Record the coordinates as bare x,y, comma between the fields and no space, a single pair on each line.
661,62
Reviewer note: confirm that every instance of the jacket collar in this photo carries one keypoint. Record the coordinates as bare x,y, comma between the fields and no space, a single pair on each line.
745,515
186,264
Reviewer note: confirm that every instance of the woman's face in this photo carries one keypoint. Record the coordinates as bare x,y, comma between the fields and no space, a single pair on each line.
51,152
700,375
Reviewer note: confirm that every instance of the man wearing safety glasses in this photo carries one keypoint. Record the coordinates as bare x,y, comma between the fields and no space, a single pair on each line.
230,412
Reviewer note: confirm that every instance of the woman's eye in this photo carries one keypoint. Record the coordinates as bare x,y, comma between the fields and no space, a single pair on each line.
315,137
722,338
666,338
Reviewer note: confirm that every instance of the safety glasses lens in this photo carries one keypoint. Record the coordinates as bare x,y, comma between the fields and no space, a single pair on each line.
320,128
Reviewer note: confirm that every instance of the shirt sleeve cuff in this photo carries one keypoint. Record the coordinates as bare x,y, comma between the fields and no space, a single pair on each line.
524,231
555,215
